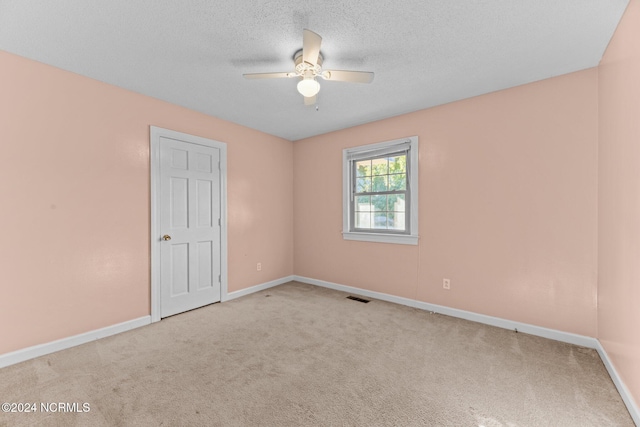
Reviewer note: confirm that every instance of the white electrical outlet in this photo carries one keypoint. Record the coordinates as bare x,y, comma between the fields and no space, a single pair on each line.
446,284
259,266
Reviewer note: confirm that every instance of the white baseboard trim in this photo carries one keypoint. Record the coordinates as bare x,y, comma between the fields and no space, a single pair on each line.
64,343
256,288
462,314
622,388
525,328
553,334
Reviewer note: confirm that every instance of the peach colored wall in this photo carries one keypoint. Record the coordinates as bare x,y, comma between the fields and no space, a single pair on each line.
74,201
619,200
507,211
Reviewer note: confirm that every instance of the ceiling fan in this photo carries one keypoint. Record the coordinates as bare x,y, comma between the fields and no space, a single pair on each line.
308,66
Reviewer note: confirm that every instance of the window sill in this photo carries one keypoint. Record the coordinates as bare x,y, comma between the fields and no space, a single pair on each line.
400,239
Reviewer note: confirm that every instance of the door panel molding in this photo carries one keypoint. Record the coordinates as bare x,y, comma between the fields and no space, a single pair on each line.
156,133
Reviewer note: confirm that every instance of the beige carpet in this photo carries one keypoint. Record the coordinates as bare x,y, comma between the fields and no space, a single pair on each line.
299,355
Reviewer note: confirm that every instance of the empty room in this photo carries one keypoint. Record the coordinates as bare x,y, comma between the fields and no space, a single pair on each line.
418,213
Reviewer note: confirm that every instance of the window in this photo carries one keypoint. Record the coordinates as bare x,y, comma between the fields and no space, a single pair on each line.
380,192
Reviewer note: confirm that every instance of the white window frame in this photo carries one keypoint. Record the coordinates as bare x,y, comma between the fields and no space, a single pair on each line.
348,155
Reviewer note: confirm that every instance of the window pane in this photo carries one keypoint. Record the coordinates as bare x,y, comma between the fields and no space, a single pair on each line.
380,166
363,204
398,182
379,203
380,220
396,220
363,220
390,220
398,164
363,168
380,183
396,203
363,185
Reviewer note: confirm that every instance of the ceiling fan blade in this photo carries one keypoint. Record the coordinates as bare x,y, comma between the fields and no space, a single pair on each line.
310,100
310,47
268,75
348,76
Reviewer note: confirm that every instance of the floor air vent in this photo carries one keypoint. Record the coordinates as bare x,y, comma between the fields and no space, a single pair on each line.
358,299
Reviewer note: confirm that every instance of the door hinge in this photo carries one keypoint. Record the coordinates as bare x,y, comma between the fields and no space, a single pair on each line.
219,278
219,221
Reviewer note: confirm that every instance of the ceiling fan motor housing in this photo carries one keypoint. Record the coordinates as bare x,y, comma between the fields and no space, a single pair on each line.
302,66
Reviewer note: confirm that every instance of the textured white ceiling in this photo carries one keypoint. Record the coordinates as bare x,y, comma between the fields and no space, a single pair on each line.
423,52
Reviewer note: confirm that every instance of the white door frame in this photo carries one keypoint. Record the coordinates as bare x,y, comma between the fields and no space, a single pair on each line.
155,134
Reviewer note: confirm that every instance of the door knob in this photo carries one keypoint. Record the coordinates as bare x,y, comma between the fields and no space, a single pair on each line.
166,237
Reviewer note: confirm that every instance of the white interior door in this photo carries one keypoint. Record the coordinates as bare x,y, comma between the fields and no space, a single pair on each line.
189,225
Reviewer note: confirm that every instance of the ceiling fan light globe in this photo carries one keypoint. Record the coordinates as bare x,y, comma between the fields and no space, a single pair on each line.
308,87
